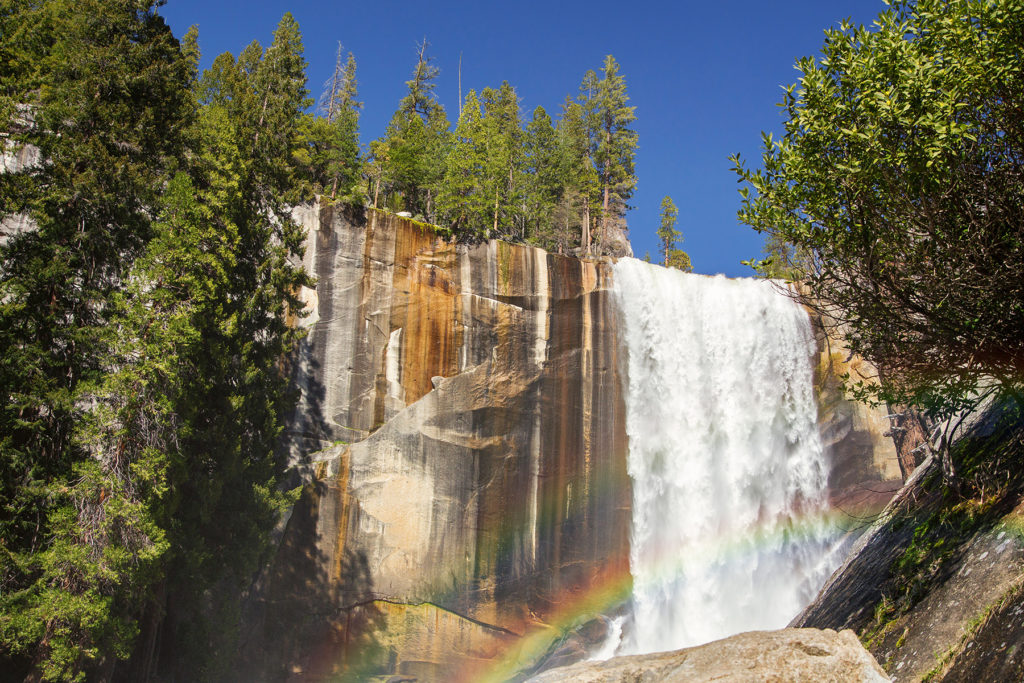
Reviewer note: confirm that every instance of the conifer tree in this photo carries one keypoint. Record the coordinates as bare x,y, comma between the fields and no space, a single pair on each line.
328,153
100,89
503,141
615,142
544,185
667,232
463,197
671,255
579,179
412,154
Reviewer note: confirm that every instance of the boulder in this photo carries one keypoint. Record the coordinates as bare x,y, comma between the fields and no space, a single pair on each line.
791,655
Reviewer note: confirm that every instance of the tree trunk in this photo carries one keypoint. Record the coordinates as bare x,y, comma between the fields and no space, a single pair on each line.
607,191
142,663
495,211
585,237
263,113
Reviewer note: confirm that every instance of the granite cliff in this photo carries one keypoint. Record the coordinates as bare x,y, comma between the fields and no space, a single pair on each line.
460,441
460,432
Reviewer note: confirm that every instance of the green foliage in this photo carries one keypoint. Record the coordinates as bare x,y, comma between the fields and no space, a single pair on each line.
614,142
463,196
327,155
544,188
503,159
410,159
493,178
679,259
667,232
672,256
578,177
143,320
896,189
143,324
100,88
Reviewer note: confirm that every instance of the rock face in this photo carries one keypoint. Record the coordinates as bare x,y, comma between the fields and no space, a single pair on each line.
461,422
791,655
935,586
460,440
867,467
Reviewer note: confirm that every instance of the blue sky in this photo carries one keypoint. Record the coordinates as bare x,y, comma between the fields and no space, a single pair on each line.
704,77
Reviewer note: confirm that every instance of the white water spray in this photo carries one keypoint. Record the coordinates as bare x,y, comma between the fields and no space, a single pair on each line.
729,478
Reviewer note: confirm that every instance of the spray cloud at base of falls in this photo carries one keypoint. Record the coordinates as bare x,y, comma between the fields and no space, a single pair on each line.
729,476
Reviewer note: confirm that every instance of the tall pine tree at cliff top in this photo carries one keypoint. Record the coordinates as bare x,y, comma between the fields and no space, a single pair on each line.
409,161
328,154
463,197
576,170
503,140
671,255
543,188
614,142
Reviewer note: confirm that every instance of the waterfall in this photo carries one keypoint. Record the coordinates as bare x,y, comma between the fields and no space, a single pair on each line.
729,532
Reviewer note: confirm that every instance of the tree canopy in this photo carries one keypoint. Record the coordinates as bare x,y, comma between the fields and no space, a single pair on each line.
897,191
671,255
142,321
550,183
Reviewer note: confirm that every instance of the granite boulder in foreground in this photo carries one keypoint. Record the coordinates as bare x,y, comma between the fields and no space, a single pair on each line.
790,655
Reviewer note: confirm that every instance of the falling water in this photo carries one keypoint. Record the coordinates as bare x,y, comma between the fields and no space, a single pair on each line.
729,478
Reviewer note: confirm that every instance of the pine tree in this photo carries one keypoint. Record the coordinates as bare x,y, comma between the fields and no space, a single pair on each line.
614,146
544,186
672,256
667,232
328,151
503,141
410,159
578,177
463,198
105,102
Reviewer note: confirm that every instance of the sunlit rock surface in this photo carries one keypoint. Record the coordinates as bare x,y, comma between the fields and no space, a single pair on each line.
460,439
16,159
867,468
461,420
790,655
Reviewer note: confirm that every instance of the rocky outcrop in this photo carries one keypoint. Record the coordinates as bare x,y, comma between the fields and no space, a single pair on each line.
934,587
461,425
793,655
867,468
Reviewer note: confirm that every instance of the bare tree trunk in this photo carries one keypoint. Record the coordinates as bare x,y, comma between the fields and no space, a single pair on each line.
334,87
510,186
909,433
263,113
